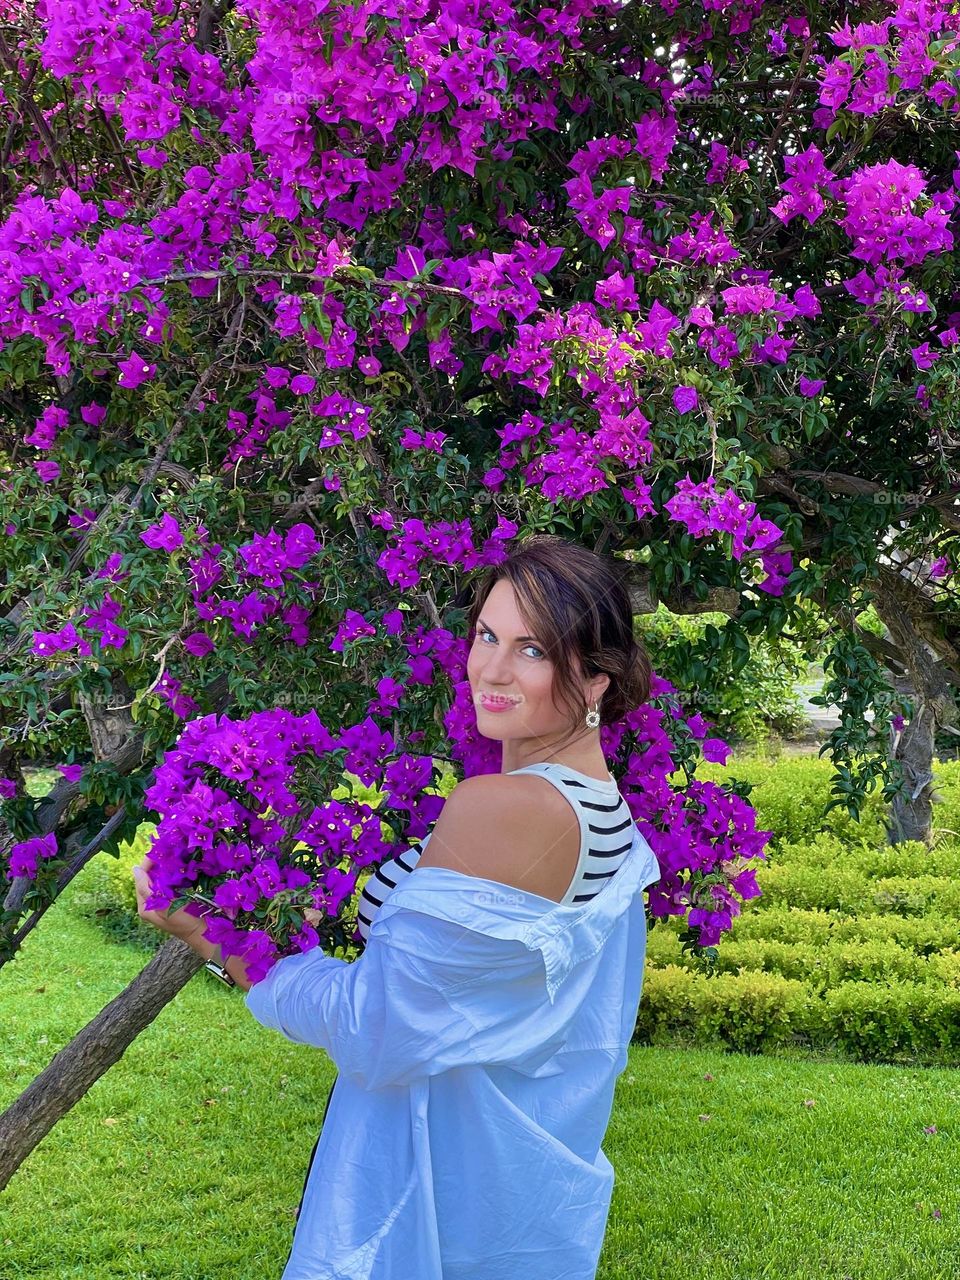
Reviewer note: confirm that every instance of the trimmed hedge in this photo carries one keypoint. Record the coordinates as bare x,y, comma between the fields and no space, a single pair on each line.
854,947
752,1012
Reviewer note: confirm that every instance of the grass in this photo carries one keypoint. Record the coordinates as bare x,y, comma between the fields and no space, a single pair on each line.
186,1161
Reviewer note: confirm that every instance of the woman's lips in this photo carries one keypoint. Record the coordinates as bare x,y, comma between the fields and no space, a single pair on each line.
489,704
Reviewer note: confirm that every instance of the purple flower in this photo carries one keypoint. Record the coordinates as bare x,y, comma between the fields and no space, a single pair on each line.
778,566
51,421
616,291
152,157
93,414
685,399
715,750
923,357
198,643
25,856
748,299
134,370
165,535
811,386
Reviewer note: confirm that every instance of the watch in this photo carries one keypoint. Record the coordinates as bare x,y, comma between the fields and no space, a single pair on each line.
219,971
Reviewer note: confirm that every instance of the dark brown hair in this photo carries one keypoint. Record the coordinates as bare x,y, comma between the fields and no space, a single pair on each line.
577,603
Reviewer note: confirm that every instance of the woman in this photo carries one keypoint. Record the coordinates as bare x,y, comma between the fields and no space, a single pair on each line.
480,1034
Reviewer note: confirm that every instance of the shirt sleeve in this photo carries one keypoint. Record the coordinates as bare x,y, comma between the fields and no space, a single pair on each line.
425,996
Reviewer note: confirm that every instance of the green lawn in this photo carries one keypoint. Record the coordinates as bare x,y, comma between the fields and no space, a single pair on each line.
187,1160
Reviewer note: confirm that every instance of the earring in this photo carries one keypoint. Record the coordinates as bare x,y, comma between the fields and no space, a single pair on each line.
593,717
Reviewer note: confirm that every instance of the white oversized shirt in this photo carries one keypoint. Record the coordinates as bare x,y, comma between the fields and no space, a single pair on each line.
478,1039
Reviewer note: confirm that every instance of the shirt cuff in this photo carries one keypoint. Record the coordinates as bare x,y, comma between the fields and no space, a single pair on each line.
261,999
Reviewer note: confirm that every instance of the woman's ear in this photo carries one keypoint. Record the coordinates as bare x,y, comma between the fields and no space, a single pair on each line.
598,688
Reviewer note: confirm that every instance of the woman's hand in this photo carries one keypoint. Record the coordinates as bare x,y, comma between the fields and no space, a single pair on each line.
179,923
189,929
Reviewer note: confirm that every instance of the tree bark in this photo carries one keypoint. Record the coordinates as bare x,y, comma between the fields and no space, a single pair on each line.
911,812
95,1049
925,682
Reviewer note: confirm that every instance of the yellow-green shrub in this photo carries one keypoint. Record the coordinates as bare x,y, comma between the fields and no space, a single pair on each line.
922,934
746,1011
891,1021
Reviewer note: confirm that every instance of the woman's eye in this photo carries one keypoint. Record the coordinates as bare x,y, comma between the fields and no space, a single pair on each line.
483,632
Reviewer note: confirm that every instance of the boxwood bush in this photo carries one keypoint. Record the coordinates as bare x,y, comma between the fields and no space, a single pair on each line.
853,949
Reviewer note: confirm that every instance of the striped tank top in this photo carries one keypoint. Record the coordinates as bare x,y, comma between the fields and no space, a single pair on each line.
606,834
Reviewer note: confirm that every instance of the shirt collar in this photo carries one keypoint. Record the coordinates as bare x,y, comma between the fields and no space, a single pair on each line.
564,934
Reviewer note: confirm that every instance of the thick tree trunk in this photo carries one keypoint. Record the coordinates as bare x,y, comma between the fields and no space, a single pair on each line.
911,812
926,684
95,1049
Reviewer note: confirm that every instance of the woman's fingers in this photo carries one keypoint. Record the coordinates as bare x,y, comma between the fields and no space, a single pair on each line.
141,881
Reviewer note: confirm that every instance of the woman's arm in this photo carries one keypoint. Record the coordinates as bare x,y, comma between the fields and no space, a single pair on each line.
189,929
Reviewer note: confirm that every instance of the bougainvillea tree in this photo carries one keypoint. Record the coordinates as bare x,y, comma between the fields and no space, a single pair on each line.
310,309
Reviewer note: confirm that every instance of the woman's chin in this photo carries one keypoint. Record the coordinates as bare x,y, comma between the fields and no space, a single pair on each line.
491,731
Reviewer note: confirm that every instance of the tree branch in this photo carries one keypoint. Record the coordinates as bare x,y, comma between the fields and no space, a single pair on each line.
212,13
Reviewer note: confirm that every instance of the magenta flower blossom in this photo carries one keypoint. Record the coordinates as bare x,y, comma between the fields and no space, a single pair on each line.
25,856
134,371
275,376
164,536
748,299
882,218
715,750
655,139
48,425
940,568
923,357
778,566
616,291
685,399
93,414
198,643
811,386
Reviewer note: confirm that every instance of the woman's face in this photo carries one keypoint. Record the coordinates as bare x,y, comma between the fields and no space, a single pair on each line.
506,662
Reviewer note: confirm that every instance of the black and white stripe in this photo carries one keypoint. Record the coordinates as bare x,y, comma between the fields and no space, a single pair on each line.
609,824
382,881
610,827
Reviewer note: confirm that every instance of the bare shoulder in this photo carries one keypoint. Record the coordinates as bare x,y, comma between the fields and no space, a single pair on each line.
516,830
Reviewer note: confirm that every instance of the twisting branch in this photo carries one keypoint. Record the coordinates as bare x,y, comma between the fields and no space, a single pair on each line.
212,13
196,394
33,111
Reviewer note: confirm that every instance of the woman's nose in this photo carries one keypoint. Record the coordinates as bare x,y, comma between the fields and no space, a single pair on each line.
497,668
